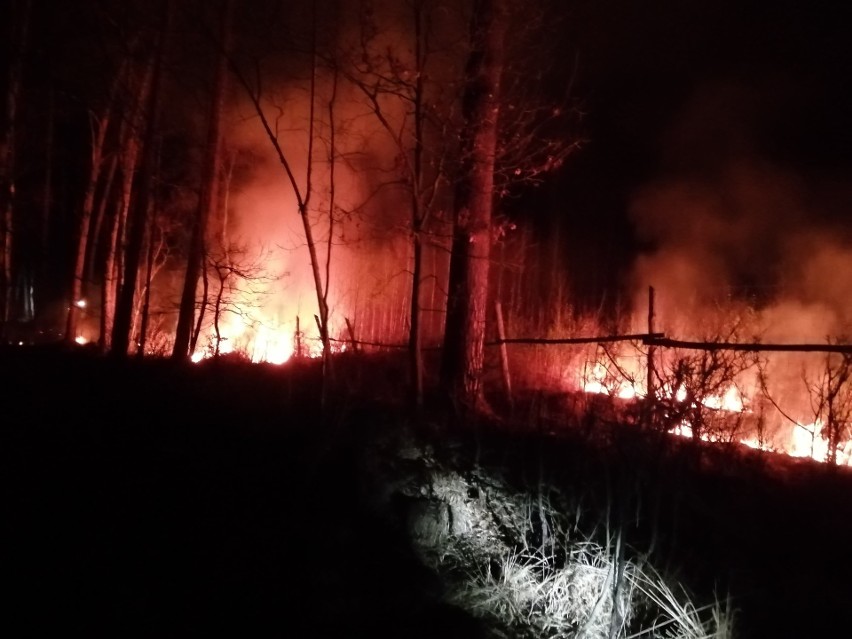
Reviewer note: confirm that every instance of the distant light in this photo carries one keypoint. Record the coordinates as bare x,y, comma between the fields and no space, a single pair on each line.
196,357
81,340
20,343
80,303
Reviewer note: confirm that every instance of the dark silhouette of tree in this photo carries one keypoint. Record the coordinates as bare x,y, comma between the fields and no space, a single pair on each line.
209,189
143,187
239,283
305,189
393,81
101,123
18,28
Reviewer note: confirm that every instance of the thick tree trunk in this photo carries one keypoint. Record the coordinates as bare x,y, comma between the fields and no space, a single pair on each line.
463,353
209,192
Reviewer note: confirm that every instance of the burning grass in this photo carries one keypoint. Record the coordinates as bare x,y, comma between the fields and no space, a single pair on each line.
794,403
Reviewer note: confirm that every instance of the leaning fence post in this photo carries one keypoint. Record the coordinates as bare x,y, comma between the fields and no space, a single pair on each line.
651,392
352,339
504,355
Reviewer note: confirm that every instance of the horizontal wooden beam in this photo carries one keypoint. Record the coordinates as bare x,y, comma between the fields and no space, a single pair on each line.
753,347
638,337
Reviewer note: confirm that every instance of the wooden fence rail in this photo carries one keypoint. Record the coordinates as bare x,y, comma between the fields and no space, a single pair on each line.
659,339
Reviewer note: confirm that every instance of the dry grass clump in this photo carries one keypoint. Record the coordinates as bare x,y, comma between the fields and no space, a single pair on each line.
519,564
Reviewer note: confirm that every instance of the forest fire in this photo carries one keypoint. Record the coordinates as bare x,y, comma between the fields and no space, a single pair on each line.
256,341
260,340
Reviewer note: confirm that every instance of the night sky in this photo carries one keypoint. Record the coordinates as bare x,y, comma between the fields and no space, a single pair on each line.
678,90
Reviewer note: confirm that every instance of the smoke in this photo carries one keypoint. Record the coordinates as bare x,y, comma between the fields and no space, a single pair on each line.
746,243
727,224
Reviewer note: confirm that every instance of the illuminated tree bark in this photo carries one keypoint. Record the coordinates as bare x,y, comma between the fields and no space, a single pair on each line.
8,144
464,338
207,201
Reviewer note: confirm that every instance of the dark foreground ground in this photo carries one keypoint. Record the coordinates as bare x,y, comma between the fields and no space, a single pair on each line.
156,501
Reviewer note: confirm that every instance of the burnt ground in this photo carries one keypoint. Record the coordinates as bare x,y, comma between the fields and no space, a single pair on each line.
146,499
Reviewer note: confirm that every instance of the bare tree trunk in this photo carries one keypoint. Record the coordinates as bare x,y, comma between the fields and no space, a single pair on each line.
46,210
109,282
303,195
418,220
202,307
153,251
321,289
146,288
209,192
8,161
224,243
143,185
332,157
379,84
463,355
217,309
100,215
100,125
140,297
114,260
130,144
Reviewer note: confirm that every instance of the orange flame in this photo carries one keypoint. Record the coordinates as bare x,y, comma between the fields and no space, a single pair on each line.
624,378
